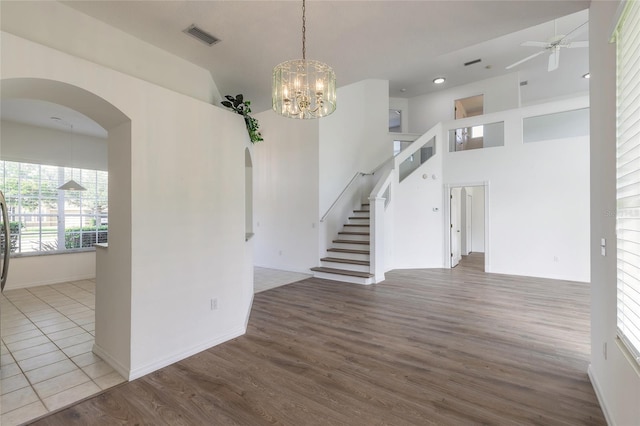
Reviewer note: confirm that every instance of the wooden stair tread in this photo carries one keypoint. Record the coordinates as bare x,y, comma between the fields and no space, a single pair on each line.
351,251
361,211
352,242
361,225
352,233
348,261
342,272
359,217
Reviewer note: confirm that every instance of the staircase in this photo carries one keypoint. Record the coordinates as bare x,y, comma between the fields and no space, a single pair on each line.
348,258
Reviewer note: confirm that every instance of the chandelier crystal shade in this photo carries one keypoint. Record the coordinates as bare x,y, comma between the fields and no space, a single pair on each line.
304,88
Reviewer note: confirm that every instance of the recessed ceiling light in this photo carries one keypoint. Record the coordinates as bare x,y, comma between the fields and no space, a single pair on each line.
587,76
439,80
403,90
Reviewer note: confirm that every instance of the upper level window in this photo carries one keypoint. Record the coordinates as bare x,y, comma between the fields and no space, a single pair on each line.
45,219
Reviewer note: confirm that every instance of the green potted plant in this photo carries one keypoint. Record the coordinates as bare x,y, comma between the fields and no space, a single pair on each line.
242,107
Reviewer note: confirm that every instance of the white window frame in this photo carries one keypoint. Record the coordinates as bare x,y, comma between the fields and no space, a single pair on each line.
627,37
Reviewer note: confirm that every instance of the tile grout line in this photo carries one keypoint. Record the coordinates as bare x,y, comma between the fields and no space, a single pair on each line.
50,340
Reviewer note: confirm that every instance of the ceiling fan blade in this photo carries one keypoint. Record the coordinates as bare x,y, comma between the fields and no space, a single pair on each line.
575,44
525,59
554,59
535,44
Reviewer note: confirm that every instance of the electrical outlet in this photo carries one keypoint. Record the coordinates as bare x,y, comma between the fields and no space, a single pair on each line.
214,304
555,258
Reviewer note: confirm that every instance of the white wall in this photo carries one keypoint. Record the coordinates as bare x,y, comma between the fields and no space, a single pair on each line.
615,380
170,269
417,204
32,144
59,26
286,193
500,93
538,198
354,138
29,271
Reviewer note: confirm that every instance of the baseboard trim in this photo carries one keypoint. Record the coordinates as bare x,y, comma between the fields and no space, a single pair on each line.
178,356
601,400
50,282
246,319
121,369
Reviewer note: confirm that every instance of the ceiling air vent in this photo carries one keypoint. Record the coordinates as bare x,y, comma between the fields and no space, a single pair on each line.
201,35
475,61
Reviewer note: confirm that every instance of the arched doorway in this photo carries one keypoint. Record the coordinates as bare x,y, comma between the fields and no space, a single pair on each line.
113,301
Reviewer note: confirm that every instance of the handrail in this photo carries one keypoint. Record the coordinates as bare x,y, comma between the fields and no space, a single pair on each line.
353,179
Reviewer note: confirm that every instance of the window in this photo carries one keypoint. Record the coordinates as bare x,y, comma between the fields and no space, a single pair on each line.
43,218
477,132
628,177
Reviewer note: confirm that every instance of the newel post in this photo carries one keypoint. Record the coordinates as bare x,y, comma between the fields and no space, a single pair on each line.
377,238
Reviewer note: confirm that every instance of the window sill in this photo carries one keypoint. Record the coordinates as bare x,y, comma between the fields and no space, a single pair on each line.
51,253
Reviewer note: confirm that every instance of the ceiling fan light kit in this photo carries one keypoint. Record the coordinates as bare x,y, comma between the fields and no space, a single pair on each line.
304,88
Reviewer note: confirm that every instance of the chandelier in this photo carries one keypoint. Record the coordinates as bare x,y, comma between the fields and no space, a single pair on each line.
304,88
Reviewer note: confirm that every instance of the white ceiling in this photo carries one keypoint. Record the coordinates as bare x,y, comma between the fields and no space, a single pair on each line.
35,112
406,42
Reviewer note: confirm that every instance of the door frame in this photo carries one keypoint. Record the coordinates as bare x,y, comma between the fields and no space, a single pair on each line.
446,261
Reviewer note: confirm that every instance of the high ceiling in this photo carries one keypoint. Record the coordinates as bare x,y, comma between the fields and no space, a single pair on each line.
406,42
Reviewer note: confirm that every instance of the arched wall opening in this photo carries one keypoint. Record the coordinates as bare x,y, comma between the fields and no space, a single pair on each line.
248,193
113,299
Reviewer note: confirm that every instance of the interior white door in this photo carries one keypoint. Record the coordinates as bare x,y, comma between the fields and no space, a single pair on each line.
455,220
467,225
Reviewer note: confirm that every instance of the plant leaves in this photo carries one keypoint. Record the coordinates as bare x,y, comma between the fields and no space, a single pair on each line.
226,103
240,98
229,97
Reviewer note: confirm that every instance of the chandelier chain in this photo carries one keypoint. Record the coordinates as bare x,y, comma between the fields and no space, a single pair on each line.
304,31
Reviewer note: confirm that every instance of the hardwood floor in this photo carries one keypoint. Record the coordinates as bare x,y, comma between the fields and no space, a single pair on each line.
447,347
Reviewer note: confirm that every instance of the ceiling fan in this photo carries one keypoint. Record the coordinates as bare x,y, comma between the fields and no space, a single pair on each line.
553,46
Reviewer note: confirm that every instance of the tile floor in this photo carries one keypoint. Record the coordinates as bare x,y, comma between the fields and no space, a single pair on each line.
265,278
47,363
47,337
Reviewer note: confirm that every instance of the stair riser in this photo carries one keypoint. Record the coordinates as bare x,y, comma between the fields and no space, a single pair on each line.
351,246
357,222
343,278
353,256
347,266
354,237
364,215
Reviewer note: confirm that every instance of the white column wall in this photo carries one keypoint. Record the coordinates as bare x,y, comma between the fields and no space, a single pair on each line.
616,382
186,192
